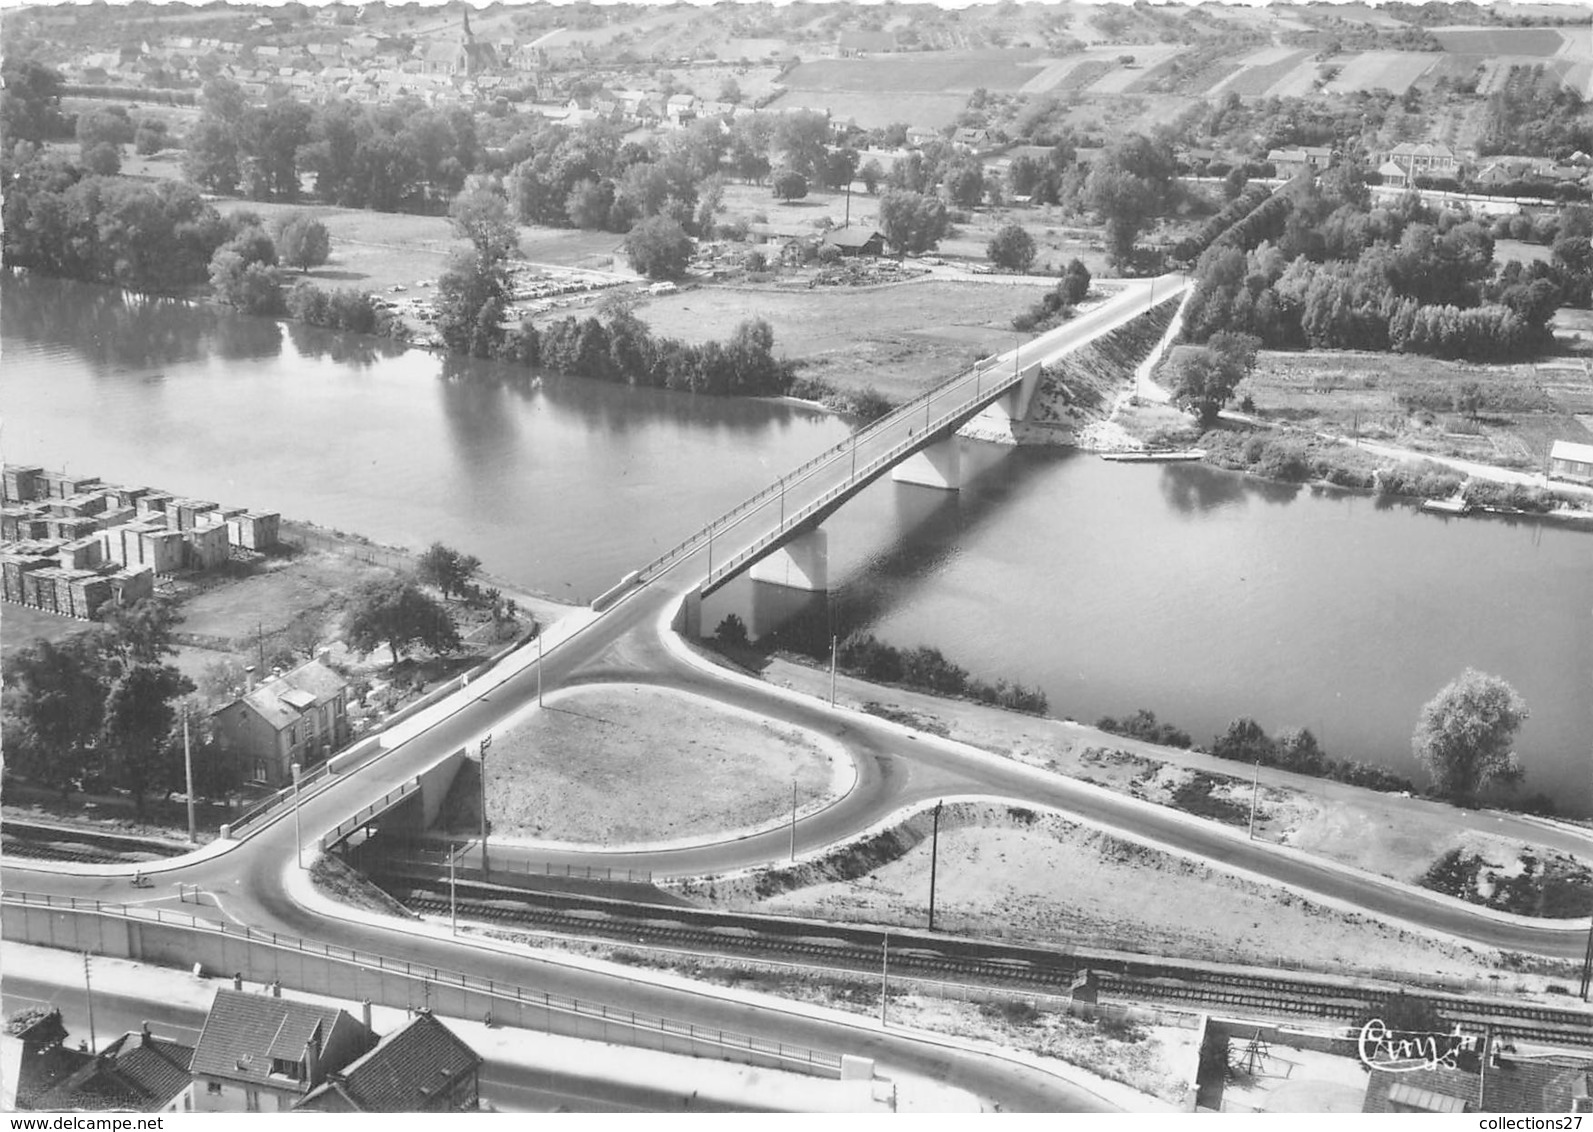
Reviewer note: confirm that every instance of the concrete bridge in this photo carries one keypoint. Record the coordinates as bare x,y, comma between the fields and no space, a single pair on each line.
778,534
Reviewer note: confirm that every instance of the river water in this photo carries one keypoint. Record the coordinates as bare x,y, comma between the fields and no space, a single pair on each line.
1197,593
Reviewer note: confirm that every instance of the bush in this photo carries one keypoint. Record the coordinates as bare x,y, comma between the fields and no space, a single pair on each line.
1143,725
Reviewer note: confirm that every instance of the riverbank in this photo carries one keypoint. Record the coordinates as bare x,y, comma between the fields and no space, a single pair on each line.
1387,834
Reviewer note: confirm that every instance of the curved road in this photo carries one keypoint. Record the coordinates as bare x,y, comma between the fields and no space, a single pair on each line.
896,769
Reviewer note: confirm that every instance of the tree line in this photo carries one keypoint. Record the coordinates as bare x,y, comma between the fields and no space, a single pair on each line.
1319,267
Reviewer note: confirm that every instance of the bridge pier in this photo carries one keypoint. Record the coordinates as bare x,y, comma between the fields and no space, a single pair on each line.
803,563
938,465
1011,408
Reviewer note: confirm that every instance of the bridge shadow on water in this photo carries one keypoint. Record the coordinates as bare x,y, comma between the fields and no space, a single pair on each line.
925,529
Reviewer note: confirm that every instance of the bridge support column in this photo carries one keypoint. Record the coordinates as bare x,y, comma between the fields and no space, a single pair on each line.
938,465
802,564
688,621
1012,408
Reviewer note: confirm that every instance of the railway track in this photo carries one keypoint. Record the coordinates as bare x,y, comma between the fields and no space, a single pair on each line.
1206,987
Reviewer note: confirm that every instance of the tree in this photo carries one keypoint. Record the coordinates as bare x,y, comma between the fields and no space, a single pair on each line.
472,296
1011,248
54,696
732,631
1464,733
789,185
1204,377
1127,186
303,242
730,91
447,569
30,104
103,160
137,731
1075,281
913,222
659,248
803,137
141,633
872,174
395,611
481,215
252,288
965,184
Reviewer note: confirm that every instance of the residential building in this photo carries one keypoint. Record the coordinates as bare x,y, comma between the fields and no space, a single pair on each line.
300,716
1424,159
138,1072
262,1053
422,1067
1568,461
856,241
1300,159
1513,1077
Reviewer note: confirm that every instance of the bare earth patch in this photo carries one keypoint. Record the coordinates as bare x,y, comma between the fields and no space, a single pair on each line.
627,763
1043,879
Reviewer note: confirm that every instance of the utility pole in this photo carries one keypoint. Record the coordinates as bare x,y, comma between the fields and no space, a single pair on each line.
884,976
486,742
259,637
934,857
793,818
1587,962
89,990
854,453
298,831
188,764
1255,789
539,667
453,896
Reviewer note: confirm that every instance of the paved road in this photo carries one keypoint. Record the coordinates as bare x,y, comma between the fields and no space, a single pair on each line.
896,769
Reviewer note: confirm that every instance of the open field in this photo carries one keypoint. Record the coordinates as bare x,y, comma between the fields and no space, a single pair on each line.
872,110
927,72
1037,877
1258,75
1409,400
623,764
1393,71
1504,41
898,338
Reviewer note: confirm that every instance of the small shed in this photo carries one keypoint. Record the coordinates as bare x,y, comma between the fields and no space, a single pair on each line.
1568,461
856,241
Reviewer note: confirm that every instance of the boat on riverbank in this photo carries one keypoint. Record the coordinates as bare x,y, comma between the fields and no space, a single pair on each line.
1165,456
1454,506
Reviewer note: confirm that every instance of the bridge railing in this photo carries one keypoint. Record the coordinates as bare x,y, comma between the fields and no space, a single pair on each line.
875,467
834,452
386,802
500,995
281,797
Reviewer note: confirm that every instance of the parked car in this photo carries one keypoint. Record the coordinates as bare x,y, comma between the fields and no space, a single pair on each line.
665,288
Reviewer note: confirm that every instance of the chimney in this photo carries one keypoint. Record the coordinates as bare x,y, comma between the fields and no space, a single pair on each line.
324,656
237,981
248,678
365,1013
276,989
145,1038
312,1058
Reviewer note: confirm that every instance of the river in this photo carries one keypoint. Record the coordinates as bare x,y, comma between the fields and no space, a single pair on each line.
1200,594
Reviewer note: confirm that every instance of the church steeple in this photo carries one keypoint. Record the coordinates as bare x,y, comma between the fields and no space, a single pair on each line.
466,14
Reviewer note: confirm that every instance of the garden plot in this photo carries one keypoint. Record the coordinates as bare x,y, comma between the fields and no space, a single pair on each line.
1146,58
1540,42
1261,71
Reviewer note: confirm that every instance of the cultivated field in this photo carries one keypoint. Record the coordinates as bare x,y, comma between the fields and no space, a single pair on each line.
1505,41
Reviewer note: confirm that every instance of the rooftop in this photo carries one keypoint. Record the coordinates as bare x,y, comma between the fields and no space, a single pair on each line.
401,1074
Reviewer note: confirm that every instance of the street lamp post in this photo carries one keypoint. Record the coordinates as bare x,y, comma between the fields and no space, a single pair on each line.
1255,789
834,647
934,857
88,990
298,831
188,766
793,818
539,667
884,975
486,742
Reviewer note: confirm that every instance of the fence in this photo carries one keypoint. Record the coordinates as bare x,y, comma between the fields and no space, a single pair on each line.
504,866
176,939
307,538
386,802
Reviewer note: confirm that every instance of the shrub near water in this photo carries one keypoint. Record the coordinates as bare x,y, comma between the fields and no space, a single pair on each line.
928,669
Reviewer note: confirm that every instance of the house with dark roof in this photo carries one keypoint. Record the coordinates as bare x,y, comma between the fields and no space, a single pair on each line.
423,1067
138,1072
261,1053
1514,1077
856,241
1300,159
299,716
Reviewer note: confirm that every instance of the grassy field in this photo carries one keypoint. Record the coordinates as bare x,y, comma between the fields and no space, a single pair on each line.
927,72
628,763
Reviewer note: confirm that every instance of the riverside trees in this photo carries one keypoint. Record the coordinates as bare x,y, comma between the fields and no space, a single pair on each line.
1464,735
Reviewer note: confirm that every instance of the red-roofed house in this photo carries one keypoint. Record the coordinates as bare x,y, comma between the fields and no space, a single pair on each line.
1515,1077
423,1067
260,1053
